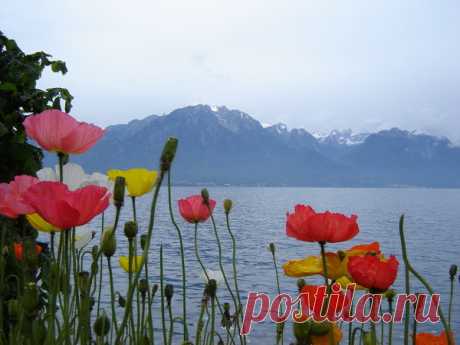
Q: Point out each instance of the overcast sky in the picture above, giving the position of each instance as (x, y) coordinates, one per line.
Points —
(319, 65)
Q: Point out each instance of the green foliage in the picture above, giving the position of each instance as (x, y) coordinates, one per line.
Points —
(19, 96)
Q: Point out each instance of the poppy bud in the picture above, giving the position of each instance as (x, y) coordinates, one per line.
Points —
(169, 291)
(102, 325)
(143, 241)
(154, 289)
(453, 272)
(38, 331)
(301, 283)
(109, 243)
(121, 301)
(205, 196)
(94, 252)
(83, 282)
(211, 288)
(30, 298)
(272, 248)
(13, 309)
(130, 229)
(143, 287)
(227, 206)
(168, 154)
(119, 191)
(301, 332)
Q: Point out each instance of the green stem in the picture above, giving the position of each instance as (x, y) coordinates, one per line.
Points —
(171, 324)
(213, 320)
(182, 256)
(275, 265)
(112, 294)
(390, 326)
(162, 303)
(328, 288)
(421, 279)
(199, 326)
(451, 297)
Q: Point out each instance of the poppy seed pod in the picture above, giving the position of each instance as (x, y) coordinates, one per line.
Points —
(119, 191)
(453, 271)
(169, 292)
(102, 325)
(130, 229)
(168, 154)
(227, 206)
(109, 243)
(205, 196)
(143, 286)
(211, 288)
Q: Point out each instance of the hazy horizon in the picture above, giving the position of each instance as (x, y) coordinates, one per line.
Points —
(314, 65)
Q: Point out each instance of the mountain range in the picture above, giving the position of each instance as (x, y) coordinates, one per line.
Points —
(221, 146)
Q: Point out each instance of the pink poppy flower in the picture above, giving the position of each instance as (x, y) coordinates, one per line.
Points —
(193, 209)
(57, 131)
(12, 204)
(63, 208)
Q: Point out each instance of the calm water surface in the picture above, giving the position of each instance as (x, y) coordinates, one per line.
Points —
(258, 218)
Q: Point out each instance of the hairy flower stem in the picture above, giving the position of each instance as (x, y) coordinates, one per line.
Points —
(162, 302)
(328, 287)
(421, 279)
(275, 266)
(239, 311)
(182, 257)
(197, 254)
(144, 257)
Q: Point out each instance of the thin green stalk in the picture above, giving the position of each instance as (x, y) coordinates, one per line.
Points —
(406, 283)
(451, 298)
(144, 256)
(326, 282)
(171, 324)
(112, 294)
(213, 320)
(275, 265)
(239, 311)
(182, 256)
(390, 326)
(199, 326)
(421, 279)
(162, 303)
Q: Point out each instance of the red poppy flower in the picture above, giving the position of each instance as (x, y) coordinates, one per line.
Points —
(57, 131)
(432, 339)
(63, 208)
(307, 225)
(12, 203)
(194, 210)
(19, 250)
(373, 272)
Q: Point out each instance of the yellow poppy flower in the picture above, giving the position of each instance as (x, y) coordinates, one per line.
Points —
(336, 263)
(40, 224)
(324, 339)
(139, 181)
(136, 263)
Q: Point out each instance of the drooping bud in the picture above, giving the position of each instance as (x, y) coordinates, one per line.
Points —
(154, 289)
(168, 154)
(143, 286)
(272, 248)
(211, 288)
(121, 300)
(228, 204)
(453, 271)
(130, 229)
(102, 325)
(119, 191)
(205, 196)
(109, 242)
(169, 292)
(301, 283)
(143, 241)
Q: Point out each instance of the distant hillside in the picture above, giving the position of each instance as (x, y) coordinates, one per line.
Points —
(222, 146)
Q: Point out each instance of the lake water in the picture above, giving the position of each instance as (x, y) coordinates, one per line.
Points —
(258, 218)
